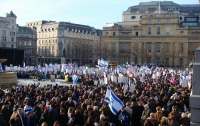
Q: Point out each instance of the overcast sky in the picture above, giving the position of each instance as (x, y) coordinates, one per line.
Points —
(95, 13)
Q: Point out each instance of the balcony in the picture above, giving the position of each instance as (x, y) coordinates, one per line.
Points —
(191, 52)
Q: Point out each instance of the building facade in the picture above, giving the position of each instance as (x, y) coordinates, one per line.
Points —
(26, 40)
(8, 30)
(56, 40)
(163, 33)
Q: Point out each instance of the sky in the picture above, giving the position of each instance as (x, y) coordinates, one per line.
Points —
(95, 13)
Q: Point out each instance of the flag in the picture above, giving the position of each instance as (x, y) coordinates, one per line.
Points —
(75, 79)
(172, 80)
(1, 69)
(114, 102)
(119, 70)
(24, 65)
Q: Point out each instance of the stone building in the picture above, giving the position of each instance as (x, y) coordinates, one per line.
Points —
(56, 40)
(26, 40)
(8, 30)
(163, 33)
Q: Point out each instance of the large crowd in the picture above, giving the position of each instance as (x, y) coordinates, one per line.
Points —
(154, 102)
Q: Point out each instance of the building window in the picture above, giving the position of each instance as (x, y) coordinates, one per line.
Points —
(189, 24)
(166, 61)
(12, 46)
(114, 33)
(124, 47)
(167, 30)
(149, 47)
(12, 39)
(149, 30)
(158, 21)
(158, 30)
(191, 19)
(3, 32)
(181, 48)
(13, 27)
(136, 33)
(167, 46)
(148, 59)
(192, 48)
(181, 32)
(181, 62)
(106, 33)
(149, 21)
(157, 47)
(124, 60)
(4, 38)
(113, 47)
(167, 20)
(158, 60)
(12, 33)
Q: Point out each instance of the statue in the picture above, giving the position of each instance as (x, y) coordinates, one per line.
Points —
(64, 53)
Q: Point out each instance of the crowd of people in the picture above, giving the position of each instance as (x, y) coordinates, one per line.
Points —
(152, 103)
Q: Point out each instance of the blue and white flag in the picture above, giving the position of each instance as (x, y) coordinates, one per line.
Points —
(39, 68)
(75, 79)
(24, 65)
(119, 70)
(114, 102)
(102, 63)
(1, 69)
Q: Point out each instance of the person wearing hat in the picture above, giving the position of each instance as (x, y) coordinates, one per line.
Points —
(2, 120)
(6, 111)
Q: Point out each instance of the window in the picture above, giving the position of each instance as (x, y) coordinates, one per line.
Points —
(192, 48)
(13, 27)
(5, 25)
(158, 21)
(157, 60)
(181, 61)
(12, 39)
(158, 30)
(167, 46)
(124, 60)
(4, 38)
(136, 33)
(149, 47)
(114, 33)
(3, 32)
(167, 20)
(166, 61)
(133, 17)
(190, 24)
(167, 30)
(181, 47)
(149, 30)
(124, 47)
(181, 32)
(12, 33)
(191, 19)
(106, 33)
(157, 47)
(149, 21)
(148, 59)
(12, 46)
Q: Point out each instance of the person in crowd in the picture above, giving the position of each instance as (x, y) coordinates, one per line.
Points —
(124, 117)
(151, 121)
(89, 121)
(6, 111)
(3, 122)
(29, 120)
(185, 121)
(52, 115)
(62, 118)
(145, 113)
(158, 115)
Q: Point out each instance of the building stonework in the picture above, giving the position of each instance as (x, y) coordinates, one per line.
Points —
(167, 37)
(56, 40)
(26, 40)
(8, 28)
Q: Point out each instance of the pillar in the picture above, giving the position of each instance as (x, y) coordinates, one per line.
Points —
(195, 96)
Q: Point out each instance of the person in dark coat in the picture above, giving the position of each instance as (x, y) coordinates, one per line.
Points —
(2, 120)
(37, 112)
(52, 116)
(13, 122)
(6, 111)
(44, 116)
(29, 120)
(185, 121)
(79, 117)
(62, 118)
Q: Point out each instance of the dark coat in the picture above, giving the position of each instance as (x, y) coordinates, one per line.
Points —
(80, 119)
(3, 122)
(151, 122)
(52, 117)
(32, 121)
(7, 113)
(63, 119)
(185, 121)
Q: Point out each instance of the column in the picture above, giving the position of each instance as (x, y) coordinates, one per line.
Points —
(195, 97)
